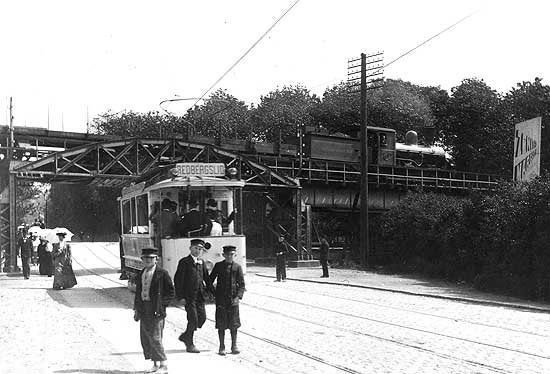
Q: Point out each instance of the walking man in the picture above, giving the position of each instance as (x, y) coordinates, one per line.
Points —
(191, 288)
(280, 251)
(229, 290)
(323, 256)
(154, 291)
(26, 254)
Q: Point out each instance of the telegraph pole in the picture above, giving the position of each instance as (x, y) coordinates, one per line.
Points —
(12, 140)
(371, 69)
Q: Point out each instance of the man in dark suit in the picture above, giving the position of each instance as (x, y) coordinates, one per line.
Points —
(280, 251)
(166, 220)
(154, 291)
(323, 256)
(193, 222)
(230, 288)
(191, 288)
(26, 254)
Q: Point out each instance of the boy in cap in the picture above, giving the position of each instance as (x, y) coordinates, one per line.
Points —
(154, 291)
(191, 288)
(229, 290)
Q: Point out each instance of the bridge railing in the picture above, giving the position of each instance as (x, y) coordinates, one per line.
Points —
(335, 172)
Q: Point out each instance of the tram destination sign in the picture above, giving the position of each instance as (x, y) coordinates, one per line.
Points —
(199, 169)
(527, 149)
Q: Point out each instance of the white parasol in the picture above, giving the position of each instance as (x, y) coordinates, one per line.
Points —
(35, 230)
(52, 236)
(44, 233)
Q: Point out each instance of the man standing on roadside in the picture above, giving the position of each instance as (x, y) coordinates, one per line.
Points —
(154, 291)
(191, 288)
(323, 256)
(280, 251)
(26, 254)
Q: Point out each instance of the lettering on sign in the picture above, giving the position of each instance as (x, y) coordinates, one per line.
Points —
(197, 169)
(527, 149)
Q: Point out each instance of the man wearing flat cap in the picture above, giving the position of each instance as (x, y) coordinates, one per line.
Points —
(154, 291)
(191, 288)
(230, 288)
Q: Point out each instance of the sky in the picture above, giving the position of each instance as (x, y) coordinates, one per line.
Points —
(65, 62)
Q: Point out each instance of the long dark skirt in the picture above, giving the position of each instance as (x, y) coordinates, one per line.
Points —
(45, 261)
(63, 272)
(227, 317)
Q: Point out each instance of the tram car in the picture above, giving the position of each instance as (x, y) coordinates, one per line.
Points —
(172, 190)
(383, 149)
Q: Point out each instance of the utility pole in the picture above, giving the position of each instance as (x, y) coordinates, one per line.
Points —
(370, 71)
(12, 139)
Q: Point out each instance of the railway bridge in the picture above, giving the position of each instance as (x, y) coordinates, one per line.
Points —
(40, 155)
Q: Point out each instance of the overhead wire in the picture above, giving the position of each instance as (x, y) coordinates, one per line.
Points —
(247, 52)
(416, 47)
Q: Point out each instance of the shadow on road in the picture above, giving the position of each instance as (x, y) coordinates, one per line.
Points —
(87, 297)
(98, 371)
(95, 271)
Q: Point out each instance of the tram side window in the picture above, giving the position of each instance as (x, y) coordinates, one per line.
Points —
(142, 222)
(126, 217)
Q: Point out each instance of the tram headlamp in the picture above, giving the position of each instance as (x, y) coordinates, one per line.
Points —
(232, 172)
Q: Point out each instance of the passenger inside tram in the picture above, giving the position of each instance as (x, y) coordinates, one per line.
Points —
(165, 220)
(194, 222)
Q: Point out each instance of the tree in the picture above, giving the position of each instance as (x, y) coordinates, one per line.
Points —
(84, 208)
(476, 130)
(221, 116)
(280, 113)
(339, 110)
(130, 124)
(399, 105)
(438, 101)
(529, 100)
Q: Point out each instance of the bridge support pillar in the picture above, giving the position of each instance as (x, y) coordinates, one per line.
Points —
(299, 223)
(12, 263)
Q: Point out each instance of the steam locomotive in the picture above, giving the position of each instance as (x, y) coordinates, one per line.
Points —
(383, 149)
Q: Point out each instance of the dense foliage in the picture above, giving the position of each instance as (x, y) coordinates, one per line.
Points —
(497, 242)
(87, 209)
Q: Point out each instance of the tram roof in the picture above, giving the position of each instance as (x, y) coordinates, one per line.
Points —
(198, 182)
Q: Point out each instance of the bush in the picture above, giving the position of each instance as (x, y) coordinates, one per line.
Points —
(498, 242)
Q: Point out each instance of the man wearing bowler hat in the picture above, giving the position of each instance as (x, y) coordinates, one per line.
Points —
(191, 288)
(230, 288)
(154, 291)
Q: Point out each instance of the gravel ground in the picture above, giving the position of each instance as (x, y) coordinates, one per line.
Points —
(46, 335)
(89, 328)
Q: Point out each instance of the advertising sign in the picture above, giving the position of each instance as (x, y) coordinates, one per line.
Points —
(527, 149)
(199, 169)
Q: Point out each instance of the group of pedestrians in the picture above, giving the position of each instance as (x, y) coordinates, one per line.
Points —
(192, 284)
(280, 251)
(53, 259)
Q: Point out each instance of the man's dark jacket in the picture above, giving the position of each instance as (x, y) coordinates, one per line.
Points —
(161, 292)
(190, 280)
(234, 278)
(192, 221)
(323, 250)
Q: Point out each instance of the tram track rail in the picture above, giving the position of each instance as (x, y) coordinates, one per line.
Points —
(455, 319)
(241, 331)
(316, 358)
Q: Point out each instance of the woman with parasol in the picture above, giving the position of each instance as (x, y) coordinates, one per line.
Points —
(62, 259)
